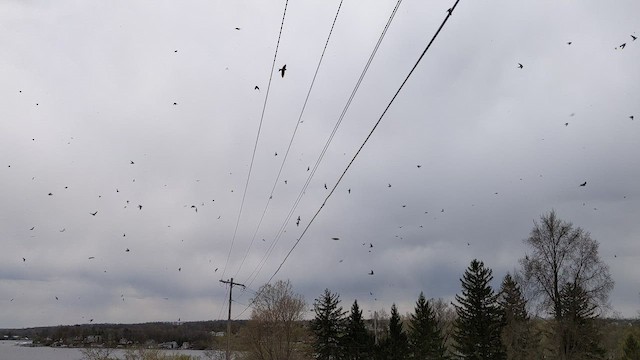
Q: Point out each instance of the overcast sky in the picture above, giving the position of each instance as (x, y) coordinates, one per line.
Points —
(108, 105)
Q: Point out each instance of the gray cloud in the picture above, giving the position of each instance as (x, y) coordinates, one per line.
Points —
(88, 88)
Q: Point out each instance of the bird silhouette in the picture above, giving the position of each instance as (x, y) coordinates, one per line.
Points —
(566, 124)
(371, 272)
(631, 117)
(93, 213)
(568, 42)
(56, 298)
(63, 230)
(237, 28)
(285, 182)
(325, 186)
(216, 270)
(91, 257)
(419, 166)
(194, 207)
(50, 194)
(370, 245)
(127, 250)
(349, 191)
(622, 46)
(131, 162)
(32, 228)
(450, 11)
(179, 269)
(389, 185)
(276, 154)
(24, 260)
(335, 238)
(175, 103)
(139, 207)
(633, 37)
(256, 88)
(584, 184)
(283, 69)
(442, 210)
(520, 66)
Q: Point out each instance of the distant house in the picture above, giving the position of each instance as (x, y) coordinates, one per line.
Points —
(92, 339)
(168, 345)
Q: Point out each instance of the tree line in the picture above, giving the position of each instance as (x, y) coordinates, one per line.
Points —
(567, 285)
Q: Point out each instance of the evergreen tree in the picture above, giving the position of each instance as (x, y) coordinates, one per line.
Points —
(576, 330)
(480, 320)
(396, 345)
(425, 338)
(328, 326)
(517, 334)
(357, 342)
(631, 348)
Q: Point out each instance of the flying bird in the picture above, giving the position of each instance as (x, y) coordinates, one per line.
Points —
(335, 238)
(131, 162)
(140, 207)
(216, 270)
(520, 66)
(566, 124)
(371, 272)
(419, 166)
(32, 228)
(633, 37)
(568, 42)
(93, 213)
(24, 260)
(56, 298)
(50, 194)
(194, 207)
(283, 69)
(631, 117)
(179, 269)
(349, 191)
(237, 28)
(325, 186)
(127, 250)
(91, 257)
(389, 185)
(584, 184)
(63, 230)
(276, 154)
(622, 46)
(256, 88)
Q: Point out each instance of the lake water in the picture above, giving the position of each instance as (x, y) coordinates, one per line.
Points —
(9, 350)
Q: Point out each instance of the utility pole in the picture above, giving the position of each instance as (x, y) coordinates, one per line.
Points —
(231, 283)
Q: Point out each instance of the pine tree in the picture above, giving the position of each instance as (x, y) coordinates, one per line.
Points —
(576, 330)
(517, 335)
(357, 342)
(328, 327)
(480, 321)
(396, 346)
(631, 348)
(425, 338)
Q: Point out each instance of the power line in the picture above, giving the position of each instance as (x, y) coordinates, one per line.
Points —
(255, 147)
(295, 130)
(261, 264)
(449, 13)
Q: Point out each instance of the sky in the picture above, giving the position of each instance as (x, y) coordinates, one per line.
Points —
(128, 133)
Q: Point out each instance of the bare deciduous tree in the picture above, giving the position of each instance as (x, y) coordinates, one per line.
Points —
(562, 254)
(274, 326)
